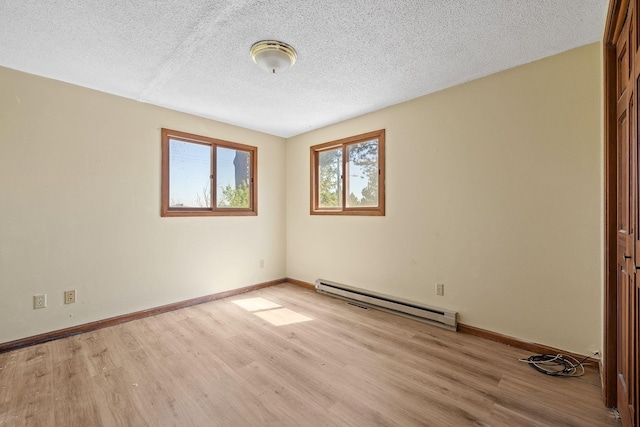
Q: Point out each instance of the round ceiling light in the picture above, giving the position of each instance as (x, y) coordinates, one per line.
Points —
(273, 56)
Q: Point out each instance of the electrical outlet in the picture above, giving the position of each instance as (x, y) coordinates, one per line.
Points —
(261, 263)
(440, 289)
(70, 296)
(39, 301)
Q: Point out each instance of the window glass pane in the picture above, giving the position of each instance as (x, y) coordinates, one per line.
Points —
(329, 178)
(189, 175)
(233, 168)
(362, 174)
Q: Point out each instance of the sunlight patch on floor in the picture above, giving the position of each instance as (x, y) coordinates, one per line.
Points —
(270, 311)
(255, 304)
(282, 316)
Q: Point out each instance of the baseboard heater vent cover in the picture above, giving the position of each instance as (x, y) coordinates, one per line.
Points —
(436, 316)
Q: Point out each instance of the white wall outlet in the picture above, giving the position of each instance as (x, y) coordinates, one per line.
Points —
(70, 296)
(39, 301)
(261, 263)
(440, 289)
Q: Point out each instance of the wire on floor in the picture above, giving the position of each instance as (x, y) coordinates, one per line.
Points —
(556, 365)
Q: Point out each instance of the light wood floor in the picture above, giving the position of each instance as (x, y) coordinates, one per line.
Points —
(217, 364)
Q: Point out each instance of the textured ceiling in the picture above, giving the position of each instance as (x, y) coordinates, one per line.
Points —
(354, 56)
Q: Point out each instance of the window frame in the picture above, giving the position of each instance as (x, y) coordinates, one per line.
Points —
(342, 144)
(214, 143)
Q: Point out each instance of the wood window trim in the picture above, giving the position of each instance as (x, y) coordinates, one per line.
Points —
(167, 211)
(379, 210)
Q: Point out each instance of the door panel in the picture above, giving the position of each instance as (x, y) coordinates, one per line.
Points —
(628, 217)
(624, 257)
(622, 215)
(623, 348)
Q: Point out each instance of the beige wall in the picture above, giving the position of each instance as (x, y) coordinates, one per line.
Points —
(493, 188)
(80, 209)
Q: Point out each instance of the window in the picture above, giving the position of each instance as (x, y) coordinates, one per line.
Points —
(347, 176)
(204, 176)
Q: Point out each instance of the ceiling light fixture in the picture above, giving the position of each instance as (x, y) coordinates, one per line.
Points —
(273, 56)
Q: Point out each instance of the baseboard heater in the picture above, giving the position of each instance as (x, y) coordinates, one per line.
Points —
(435, 316)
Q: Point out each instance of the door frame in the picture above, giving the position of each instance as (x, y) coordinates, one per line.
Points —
(615, 18)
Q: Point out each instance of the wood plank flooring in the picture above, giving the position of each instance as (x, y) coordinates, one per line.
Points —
(217, 364)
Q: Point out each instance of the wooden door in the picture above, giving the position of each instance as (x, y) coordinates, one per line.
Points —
(628, 218)
(622, 214)
(624, 254)
(629, 297)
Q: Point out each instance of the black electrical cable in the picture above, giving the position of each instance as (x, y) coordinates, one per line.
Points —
(556, 365)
